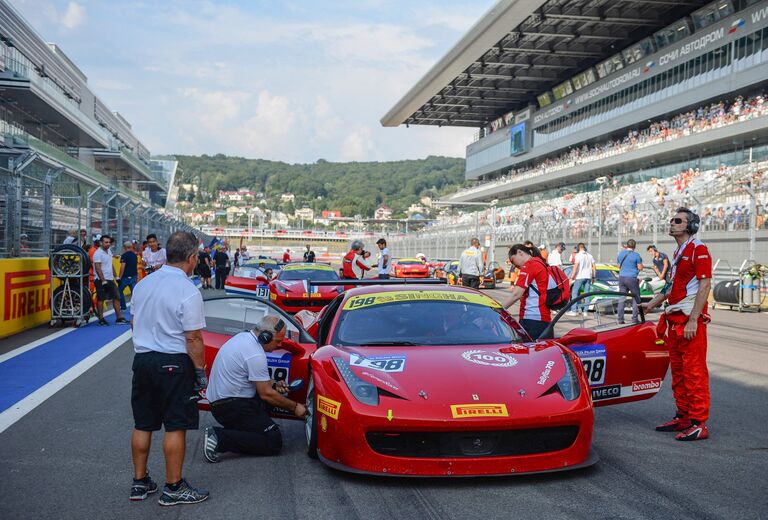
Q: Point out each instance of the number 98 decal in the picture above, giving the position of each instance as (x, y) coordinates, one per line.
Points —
(594, 359)
(388, 363)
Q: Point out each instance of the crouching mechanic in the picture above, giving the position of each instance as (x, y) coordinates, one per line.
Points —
(240, 390)
(684, 328)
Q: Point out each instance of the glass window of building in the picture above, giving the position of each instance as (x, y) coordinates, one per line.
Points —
(637, 51)
(563, 89)
(712, 13)
(673, 33)
(610, 66)
(585, 78)
(544, 99)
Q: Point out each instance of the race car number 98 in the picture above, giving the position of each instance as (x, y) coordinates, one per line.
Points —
(278, 373)
(595, 369)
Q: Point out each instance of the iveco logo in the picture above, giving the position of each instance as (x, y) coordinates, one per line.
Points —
(493, 359)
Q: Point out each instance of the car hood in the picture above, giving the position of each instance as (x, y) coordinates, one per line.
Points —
(460, 374)
(302, 287)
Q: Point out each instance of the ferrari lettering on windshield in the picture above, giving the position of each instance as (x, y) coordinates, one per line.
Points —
(545, 373)
(385, 363)
(492, 359)
(361, 302)
(462, 411)
(328, 407)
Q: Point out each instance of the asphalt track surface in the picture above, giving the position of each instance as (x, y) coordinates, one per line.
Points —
(70, 458)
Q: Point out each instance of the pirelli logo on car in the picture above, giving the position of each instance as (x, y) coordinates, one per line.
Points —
(462, 411)
(328, 407)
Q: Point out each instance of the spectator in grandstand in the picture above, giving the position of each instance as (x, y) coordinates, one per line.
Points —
(630, 265)
(204, 267)
(354, 262)
(221, 265)
(384, 266)
(153, 256)
(530, 289)
(555, 257)
(471, 265)
(309, 255)
(660, 262)
(287, 256)
(582, 275)
(129, 272)
(683, 325)
(168, 370)
(240, 391)
(71, 237)
(104, 278)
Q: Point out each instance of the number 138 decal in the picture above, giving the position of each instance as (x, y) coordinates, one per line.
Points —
(593, 357)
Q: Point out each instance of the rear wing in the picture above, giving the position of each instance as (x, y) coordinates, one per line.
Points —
(376, 281)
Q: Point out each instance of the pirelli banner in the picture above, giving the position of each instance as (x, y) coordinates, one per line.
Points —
(25, 286)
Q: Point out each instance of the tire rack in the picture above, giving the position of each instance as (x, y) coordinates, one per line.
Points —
(73, 287)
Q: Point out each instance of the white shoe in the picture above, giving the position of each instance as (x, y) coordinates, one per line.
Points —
(585, 314)
(571, 313)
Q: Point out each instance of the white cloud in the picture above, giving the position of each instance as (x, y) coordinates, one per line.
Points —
(110, 84)
(357, 146)
(73, 16)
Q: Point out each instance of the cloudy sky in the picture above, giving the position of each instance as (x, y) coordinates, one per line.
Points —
(284, 80)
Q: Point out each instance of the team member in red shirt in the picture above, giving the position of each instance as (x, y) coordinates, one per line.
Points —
(354, 263)
(684, 328)
(287, 256)
(530, 289)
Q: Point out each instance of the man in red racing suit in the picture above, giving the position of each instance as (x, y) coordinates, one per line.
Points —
(683, 326)
(354, 264)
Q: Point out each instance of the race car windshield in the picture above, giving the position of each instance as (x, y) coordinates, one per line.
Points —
(424, 323)
(308, 274)
(410, 262)
(249, 272)
(605, 275)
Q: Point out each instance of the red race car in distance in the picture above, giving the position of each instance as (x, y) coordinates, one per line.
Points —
(422, 380)
(410, 268)
(292, 292)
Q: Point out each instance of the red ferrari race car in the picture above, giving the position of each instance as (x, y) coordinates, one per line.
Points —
(410, 268)
(291, 290)
(248, 280)
(390, 392)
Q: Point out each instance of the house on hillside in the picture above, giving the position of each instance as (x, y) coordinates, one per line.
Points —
(382, 212)
(287, 197)
(304, 214)
(278, 219)
(415, 208)
(233, 213)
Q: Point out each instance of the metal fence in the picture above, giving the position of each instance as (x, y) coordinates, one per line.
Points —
(606, 219)
(40, 205)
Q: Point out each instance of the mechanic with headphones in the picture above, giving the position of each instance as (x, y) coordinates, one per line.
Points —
(240, 390)
(683, 326)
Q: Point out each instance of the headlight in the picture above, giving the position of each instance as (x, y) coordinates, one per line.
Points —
(363, 391)
(280, 288)
(568, 386)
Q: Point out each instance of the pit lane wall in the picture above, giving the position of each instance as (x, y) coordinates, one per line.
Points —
(25, 294)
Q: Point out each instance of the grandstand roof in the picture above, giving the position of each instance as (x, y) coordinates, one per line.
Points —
(521, 48)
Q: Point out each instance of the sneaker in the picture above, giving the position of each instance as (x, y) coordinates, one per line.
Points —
(186, 494)
(103, 322)
(677, 424)
(571, 313)
(210, 443)
(142, 488)
(695, 432)
(123, 321)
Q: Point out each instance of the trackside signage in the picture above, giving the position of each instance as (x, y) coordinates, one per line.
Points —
(732, 28)
(25, 286)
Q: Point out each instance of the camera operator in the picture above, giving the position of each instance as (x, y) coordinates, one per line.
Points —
(240, 389)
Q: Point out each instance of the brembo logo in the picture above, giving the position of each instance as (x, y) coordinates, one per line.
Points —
(648, 384)
(26, 292)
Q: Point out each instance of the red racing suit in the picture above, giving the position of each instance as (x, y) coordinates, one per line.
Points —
(349, 263)
(688, 358)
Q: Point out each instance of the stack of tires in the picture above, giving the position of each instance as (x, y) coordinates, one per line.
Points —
(71, 266)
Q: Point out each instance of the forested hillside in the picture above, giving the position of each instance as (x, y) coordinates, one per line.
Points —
(352, 188)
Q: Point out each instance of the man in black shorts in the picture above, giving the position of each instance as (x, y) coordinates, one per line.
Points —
(168, 369)
(104, 279)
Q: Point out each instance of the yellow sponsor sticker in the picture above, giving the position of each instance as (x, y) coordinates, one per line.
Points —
(328, 407)
(315, 267)
(463, 411)
(360, 302)
(315, 295)
(323, 423)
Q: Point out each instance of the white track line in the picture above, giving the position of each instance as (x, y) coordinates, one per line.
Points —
(42, 341)
(29, 403)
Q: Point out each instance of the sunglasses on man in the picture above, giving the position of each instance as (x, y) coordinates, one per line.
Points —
(677, 220)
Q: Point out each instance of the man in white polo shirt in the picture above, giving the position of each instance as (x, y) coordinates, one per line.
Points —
(104, 280)
(240, 390)
(168, 369)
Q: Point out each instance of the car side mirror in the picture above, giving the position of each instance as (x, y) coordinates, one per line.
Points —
(578, 335)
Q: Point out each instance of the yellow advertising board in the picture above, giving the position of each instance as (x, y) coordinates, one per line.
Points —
(25, 294)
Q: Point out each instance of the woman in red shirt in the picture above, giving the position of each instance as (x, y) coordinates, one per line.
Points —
(530, 289)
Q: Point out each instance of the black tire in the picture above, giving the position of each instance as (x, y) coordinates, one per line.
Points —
(310, 425)
(75, 264)
(66, 301)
